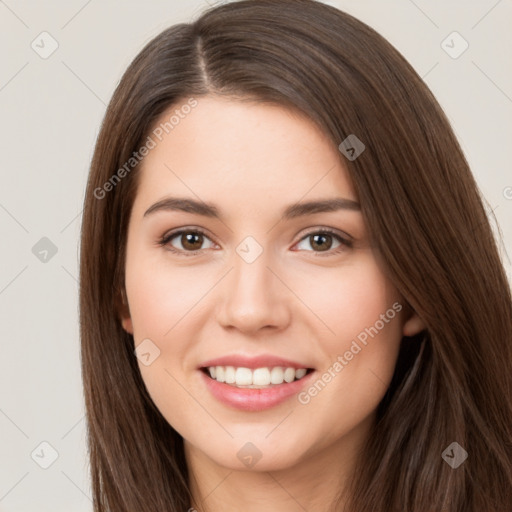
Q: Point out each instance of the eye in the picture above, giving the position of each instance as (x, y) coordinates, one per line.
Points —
(322, 241)
(186, 241)
(189, 242)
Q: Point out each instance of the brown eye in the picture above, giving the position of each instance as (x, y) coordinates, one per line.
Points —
(324, 241)
(186, 241)
(191, 241)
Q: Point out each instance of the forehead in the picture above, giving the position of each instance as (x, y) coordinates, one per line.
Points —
(242, 151)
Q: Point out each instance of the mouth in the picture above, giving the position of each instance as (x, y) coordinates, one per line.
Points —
(257, 378)
(253, 383)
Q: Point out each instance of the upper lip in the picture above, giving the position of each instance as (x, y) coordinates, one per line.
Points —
(253, 362)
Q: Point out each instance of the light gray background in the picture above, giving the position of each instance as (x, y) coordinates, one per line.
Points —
(51, 111)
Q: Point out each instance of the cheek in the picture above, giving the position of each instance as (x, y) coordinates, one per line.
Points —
(361, 326)
(161, 303)
(350, 300)
(166, 302)
(160, 296)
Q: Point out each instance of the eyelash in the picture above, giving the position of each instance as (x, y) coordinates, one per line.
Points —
(344, 242)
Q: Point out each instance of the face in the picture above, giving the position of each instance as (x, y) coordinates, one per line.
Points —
(242, 273)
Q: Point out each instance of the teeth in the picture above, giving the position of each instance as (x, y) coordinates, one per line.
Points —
(243, 376)
(289, 374)
(229, 375)
(260, 377)
(300, 373)
(276, 375)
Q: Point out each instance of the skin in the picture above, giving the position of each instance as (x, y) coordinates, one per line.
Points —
(252, 160)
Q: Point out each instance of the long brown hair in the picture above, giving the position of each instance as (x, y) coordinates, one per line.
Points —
(427, 221)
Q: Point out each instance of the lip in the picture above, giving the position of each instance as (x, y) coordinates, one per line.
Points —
(261, 361)
(253, 400)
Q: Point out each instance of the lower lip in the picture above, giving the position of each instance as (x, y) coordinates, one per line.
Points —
(247, 399)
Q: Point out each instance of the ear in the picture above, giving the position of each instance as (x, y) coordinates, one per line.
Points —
(414, 324)
(124, 312)
(126, 322)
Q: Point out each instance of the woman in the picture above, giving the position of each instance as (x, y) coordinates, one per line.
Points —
(291, 297)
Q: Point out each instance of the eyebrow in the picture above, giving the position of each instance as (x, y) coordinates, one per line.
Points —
(290, 212)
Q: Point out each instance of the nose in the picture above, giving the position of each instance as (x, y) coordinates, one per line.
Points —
(253, 297)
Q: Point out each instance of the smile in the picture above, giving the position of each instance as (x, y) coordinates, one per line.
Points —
(258, 378)
(255, 397)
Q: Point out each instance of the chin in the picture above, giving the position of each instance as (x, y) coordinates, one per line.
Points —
(254, 453)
